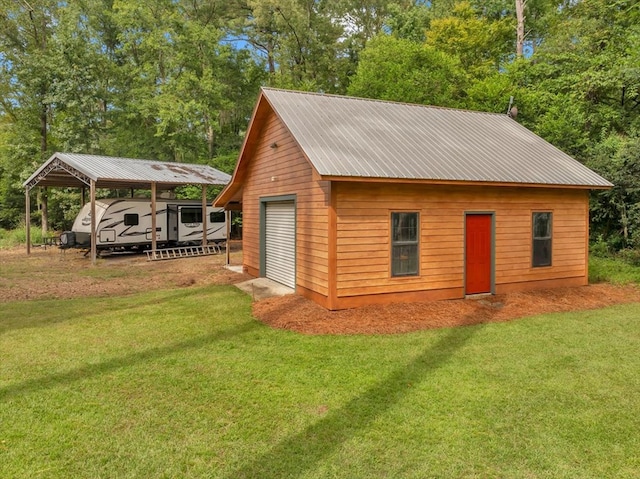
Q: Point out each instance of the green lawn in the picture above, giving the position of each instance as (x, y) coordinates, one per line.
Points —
(186, 383)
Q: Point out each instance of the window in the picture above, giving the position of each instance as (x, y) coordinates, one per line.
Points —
(541, 239)
(131, 219)
(191, 215)
(216, 217)
(404, 244)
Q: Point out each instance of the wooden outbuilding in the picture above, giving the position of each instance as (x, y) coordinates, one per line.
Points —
(353, 202)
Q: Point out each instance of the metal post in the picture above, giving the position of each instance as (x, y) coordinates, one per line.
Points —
(153, 220)
(27, 220)
(204, 215)
(94, 236)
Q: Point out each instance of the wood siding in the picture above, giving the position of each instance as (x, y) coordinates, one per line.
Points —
(363, 238)
(283, 170)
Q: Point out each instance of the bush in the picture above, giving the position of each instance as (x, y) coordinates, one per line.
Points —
(18, 236)
(630, 256)
(612, 270)
(600, 248)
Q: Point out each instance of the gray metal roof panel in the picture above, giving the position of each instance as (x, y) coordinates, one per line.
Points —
(107, 168)
(353, 137)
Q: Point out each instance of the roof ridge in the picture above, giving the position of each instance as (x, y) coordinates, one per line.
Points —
(377, 100)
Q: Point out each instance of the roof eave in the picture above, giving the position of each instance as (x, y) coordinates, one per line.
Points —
(230, 193)
(430, 181)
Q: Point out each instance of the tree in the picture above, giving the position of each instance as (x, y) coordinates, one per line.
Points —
(27, 80)
(154, 80)
(520, 32)
(401, 70)
(482, 45)
(580, 91)
(301, 42)
(615, 213)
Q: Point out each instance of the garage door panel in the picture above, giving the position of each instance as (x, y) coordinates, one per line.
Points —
(280, 242)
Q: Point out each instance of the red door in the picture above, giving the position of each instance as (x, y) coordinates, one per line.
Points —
(478, 254)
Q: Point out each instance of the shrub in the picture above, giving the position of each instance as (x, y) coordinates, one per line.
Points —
(18, 236)
(600, 248)
(630, 256)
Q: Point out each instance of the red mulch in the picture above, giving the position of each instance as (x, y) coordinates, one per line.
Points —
(302, 315)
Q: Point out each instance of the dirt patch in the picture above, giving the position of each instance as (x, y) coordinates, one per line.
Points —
(57, 274)
(301, 315)
(52, 273)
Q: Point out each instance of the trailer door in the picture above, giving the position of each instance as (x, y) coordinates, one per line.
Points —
(172, 223)
(190, 224)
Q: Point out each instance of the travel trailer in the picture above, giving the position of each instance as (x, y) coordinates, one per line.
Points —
(126, 224)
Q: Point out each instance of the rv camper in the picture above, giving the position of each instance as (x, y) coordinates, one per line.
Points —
(126, 224)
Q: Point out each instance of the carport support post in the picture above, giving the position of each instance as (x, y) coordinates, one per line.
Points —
(153, 220)
(27, 218)
(227, 221)
(94, 237)
(204, 215)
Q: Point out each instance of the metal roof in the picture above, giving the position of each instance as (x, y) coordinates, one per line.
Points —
(71, 169)
(362, 138)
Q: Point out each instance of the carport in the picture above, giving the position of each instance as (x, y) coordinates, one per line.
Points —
(71, 170)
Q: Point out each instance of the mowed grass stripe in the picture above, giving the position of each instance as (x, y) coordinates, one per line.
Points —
(186, 383)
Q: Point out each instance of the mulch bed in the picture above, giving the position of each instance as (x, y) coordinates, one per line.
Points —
(302, 315)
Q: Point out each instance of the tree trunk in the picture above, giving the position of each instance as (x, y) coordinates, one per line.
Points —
(520, 34)
(624, 219)
(210, 139)
(45, 211)
(44, 206)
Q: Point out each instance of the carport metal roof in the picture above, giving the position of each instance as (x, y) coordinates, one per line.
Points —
(76, 170)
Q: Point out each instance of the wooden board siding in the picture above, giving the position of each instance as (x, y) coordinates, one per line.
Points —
(283, 170)
(363, 238)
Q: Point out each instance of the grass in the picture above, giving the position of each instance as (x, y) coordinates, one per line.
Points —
(187, 384)
(612, 270)
(18, 236)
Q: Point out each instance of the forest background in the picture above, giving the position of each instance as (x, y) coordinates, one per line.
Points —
(176, 80)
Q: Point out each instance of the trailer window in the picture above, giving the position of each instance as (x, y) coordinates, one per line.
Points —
(191, 215)
(216, 217)
(131, 219)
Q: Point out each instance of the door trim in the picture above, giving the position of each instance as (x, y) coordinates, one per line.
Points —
(492, 214)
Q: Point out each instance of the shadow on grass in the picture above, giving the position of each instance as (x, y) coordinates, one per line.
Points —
(299, 453)
(91, 370)
(79, 308)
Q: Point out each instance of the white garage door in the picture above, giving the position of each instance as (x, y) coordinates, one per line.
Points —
(280, 242)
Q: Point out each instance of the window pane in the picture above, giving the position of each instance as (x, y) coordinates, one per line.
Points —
(542, 225)
(541, 252)
(191, 215)
(131, 219)
(216, 217)
(405, 227)
(404, 260)
(541, 239)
